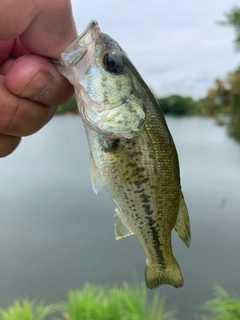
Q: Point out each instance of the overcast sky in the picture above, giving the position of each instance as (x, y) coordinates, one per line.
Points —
(175, 45)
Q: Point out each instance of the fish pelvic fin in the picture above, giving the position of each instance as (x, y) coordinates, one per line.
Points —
(182, 226)
(158, 274)
(95, 179)
(121, 228)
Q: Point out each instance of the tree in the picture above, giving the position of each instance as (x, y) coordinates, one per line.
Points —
(224, 97)
(233, 19)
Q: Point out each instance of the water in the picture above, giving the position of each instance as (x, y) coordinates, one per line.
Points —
(55, 233)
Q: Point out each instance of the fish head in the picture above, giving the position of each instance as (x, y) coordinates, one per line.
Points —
(106, 88)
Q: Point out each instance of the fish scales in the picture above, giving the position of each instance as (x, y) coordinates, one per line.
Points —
(132, 151)
(137, 188)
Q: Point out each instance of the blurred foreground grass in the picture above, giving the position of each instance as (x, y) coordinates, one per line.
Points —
(224, 306)
(125, 303)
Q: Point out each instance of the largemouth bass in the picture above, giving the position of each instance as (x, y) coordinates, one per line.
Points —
(131, 150)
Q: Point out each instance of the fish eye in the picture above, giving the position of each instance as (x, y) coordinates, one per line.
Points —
(113, 62)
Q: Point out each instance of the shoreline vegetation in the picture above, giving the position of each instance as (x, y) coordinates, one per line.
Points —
(119, 303)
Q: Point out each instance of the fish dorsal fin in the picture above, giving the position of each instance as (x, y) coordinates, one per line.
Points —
(182, 226)
(121, 228)
(96, 182)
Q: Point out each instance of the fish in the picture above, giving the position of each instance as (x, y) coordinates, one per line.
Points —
(132, 152)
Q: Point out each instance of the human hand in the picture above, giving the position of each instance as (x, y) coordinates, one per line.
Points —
(30, 86)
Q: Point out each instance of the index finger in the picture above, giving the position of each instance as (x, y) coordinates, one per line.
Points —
(44, 27)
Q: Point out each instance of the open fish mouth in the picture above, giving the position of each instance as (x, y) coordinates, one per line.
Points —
(76, 51)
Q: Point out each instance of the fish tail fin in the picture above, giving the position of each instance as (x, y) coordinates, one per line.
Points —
(169, 274)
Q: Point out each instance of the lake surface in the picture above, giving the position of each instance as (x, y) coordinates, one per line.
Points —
(55, 233)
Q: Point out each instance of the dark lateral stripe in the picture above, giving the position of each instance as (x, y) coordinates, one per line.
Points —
(156, 242)
(148, 210)
(145, 199)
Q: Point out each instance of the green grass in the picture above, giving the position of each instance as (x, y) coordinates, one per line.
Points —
(27, 310)
(223, 306)
(125, 303)
(118, 303)
(94, 303)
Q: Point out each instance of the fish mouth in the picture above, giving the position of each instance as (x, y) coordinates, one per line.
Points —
(76, 51)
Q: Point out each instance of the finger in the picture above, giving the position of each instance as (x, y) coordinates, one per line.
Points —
(6, 48)
(45, 27)
(15, 17)
(20, 116)
(8, 144)
(4, 67)
(11, 49)
(18, 49)
(35, 77)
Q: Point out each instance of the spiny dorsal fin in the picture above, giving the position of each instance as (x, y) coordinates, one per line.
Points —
(96, 182)
(121, 228)
(182, 226)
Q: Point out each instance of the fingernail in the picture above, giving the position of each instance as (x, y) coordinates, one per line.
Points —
(38, 87)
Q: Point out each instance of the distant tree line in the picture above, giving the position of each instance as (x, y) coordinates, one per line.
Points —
(178, 106)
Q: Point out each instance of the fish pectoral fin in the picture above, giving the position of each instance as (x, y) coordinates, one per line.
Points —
(121, 228)
(95, 179)
(182, 226)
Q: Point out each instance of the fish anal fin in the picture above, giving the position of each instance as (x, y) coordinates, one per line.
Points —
(169, 274)
(182, 226)
(95, 179)
(121, 228)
